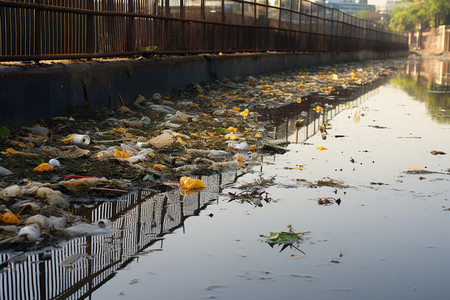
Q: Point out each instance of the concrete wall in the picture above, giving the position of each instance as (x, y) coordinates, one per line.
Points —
(437, 40)
(29, 93)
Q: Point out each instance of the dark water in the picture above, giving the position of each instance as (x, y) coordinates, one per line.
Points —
(390, 233)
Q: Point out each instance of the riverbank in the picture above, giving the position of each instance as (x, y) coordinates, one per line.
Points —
(154, 141)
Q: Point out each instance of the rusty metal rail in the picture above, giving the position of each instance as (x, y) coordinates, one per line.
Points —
(56, 29)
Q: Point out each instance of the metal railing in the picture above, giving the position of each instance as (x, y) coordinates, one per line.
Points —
(51, 29)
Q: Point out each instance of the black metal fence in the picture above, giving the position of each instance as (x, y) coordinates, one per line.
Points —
(48, 29)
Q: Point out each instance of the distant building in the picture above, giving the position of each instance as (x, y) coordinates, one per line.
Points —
(387, 7)
(350, 7)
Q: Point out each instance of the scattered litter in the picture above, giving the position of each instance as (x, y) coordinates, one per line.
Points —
(44, 167)
(54, 163)
(330, 182)
(9, 218)
(4, 172)
(254, 197)
(79, 139)
(301, 275)
(434, 152)
(30, 233)
(416, 170)
(377, 126)
(329, 201)
(191, 183)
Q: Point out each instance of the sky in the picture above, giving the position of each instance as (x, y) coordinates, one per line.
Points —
(376, 2)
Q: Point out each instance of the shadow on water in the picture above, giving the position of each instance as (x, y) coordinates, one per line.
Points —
(143, 219)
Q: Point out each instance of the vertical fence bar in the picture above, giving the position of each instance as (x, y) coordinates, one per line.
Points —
(131, 35)
(37, 30)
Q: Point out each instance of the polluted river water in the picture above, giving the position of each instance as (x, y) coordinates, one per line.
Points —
(380, 154)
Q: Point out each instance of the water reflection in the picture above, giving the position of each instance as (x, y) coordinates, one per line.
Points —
(139, 221)
(428, 81)
(298, 122)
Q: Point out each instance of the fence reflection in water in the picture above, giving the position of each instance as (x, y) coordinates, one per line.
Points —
(139, 221)
(285, 118)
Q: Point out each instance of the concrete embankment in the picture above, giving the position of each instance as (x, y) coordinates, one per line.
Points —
(32, 92)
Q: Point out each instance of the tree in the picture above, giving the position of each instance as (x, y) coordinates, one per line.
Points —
(439, 11)
(410, 15)
(363, 14)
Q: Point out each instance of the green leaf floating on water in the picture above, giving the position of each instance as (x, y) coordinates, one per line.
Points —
(287, 239)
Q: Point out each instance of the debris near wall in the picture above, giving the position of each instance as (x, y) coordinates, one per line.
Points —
(155, 140)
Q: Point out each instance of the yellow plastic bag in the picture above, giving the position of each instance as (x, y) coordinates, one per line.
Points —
(120, 154)
(9, 218)
(43, 168)
(158, 168)
(318, 109)
(245, 113)
(191, 183)
(119, 131)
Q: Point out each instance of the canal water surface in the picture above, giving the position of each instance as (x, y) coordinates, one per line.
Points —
(388, 238)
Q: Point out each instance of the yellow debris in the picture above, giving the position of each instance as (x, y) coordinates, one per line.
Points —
(158, 167)
(191, 183)
(245, 112)
(120, 154)
(119, 131)
(68, 139)
(318, 109)
(9, 218)
(43, 168)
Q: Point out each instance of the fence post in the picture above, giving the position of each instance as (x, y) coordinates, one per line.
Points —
(290, 13)
(37, 29)
(203, 26)
(90, 29)
(131, 34)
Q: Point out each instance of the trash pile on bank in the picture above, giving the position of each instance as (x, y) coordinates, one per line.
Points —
(202, 129)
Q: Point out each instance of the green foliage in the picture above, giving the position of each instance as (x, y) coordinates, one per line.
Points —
(408, 16)
(363, 14)
(411, 15)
